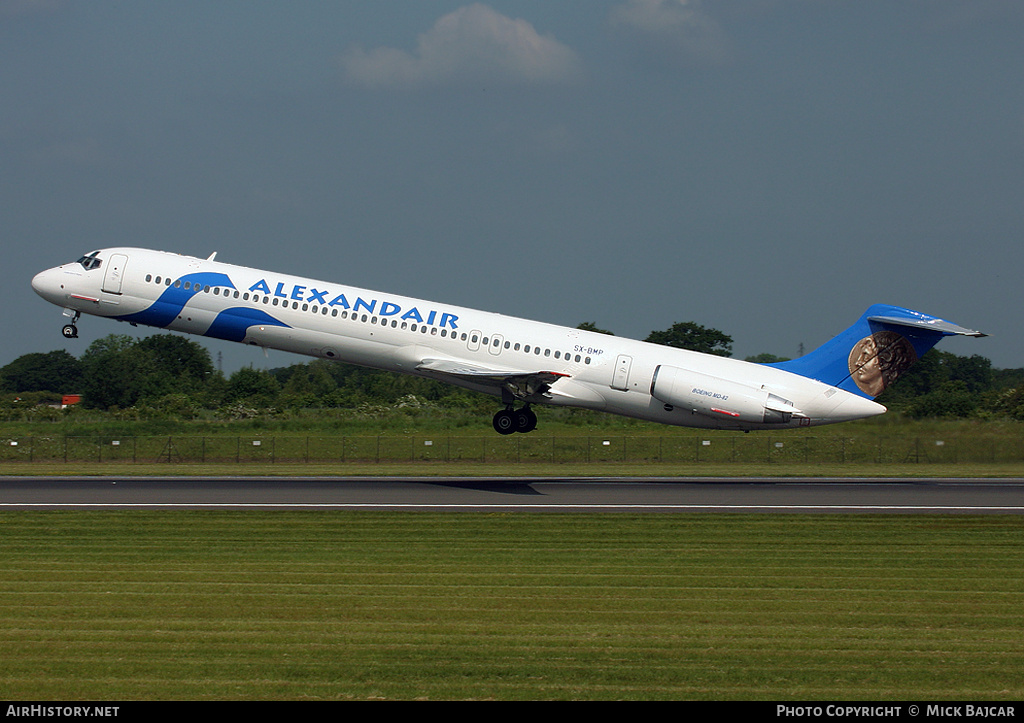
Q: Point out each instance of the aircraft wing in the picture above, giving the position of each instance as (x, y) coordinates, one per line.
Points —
(521, 383)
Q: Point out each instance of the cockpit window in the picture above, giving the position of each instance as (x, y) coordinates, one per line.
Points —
(90, 261)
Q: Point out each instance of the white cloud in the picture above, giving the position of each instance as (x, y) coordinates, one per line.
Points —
(472, 44)
(681, 29)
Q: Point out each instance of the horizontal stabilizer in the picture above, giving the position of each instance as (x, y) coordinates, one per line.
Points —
(927, 322)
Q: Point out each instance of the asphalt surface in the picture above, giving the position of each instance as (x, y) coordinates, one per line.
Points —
(524, 494)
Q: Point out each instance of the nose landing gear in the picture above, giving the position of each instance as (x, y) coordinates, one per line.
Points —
(70, 331)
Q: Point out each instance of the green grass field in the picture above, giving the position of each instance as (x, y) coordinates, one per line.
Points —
(466, 441)
(135, 605)
(355, 606)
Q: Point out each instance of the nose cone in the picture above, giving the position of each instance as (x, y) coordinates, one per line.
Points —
(48, 284)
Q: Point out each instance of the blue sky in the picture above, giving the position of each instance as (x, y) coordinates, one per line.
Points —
(769, 168)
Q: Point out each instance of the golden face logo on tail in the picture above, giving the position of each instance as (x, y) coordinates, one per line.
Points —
(876, 361)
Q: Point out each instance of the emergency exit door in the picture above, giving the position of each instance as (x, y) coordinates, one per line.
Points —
(620, 376)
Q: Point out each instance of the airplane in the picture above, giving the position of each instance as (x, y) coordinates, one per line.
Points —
(521, 362)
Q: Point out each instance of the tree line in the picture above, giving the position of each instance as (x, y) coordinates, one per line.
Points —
(172, 376)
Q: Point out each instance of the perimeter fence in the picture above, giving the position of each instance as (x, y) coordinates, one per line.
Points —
(531, 448)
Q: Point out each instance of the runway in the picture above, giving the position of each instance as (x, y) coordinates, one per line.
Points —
(522, 494)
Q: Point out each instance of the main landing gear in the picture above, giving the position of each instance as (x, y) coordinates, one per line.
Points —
(70, 331)
(510, 421)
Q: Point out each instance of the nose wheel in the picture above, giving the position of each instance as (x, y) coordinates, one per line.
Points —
(510, 421)
(70, 331)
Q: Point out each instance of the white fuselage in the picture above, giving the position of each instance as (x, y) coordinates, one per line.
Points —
(396, 333)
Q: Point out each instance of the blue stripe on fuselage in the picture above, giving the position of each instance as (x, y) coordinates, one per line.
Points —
(174, 298)
(233, 324)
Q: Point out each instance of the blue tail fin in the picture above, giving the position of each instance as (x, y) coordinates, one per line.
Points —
(871, 354)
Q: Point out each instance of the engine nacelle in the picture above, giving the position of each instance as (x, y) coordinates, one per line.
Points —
(719, 398)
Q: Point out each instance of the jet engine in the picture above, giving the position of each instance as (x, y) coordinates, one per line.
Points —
(719, 398)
